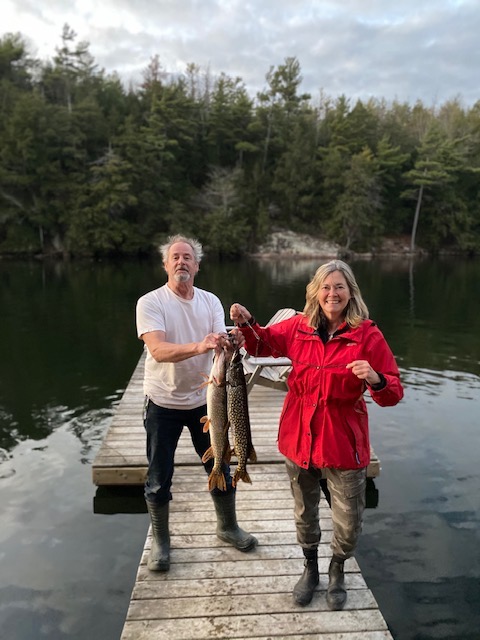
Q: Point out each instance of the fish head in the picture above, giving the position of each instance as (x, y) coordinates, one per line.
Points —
(218, 372)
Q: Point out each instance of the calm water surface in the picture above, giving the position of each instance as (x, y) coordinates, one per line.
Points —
(68, 348)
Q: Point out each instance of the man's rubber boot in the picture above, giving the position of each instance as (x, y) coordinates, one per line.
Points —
(227, 526)
(159, 556)
(303, 590)
(336, 592)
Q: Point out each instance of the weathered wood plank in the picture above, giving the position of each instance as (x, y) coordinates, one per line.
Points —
(269, 625)
(241, 605)
(116, 471)
(242, 567)
(227, 553)
(350, 635)
(231, 586)
(257, 526)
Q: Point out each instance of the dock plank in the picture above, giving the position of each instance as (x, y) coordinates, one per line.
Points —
(271, 625)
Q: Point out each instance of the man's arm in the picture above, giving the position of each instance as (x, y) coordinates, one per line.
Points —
(163, 351)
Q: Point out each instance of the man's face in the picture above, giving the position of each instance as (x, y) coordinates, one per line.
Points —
(181, 265)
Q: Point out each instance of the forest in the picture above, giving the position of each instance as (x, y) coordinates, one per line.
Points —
(89, 167)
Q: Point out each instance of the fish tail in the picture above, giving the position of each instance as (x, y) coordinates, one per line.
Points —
(216, 480)
(240, 474)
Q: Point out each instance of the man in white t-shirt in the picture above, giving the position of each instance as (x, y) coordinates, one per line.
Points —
(180, 325)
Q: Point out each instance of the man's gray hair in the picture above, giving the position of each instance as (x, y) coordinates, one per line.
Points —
(195, 244)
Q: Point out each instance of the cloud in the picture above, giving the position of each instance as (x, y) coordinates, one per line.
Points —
(359, 48)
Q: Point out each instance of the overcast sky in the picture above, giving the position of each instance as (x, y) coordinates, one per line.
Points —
(405, 50)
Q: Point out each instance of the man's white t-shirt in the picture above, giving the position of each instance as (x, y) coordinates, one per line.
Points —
(178, 385)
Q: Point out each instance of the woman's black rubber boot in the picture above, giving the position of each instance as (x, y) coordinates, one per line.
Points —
(303, 590)
(336, 592)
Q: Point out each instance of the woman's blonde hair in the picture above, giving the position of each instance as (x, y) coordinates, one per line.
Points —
(355, 311)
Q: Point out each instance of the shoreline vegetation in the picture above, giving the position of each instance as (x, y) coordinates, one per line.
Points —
(278, 245)
(92, 169)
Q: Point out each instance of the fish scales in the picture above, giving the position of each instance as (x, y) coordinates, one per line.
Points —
(239, 419)
(216, 420)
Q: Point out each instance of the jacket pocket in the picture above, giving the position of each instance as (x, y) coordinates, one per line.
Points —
(359, 439)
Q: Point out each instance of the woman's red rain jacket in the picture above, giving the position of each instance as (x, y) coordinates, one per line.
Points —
(324, 420)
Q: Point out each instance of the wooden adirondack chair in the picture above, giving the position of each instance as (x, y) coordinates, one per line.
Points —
(268, 371)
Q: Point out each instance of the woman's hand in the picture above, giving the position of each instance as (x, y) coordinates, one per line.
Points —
(363, 370)
(239, 314)
(237, 339)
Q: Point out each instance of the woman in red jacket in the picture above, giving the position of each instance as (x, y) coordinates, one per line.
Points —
(337, 353)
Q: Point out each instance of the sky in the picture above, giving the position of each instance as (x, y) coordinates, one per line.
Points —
(406, 50)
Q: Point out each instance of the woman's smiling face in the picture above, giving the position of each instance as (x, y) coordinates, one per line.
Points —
(334, 294)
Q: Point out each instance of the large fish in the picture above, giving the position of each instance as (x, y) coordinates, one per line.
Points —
(216, 420)
(239, 419)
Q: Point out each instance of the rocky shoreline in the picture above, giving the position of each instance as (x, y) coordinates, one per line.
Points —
(288, 244)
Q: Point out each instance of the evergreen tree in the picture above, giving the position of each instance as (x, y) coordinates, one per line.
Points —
(356, 222)
(100, 225)
(225, 230)
(436, 166)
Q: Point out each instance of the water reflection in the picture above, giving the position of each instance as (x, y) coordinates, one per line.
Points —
(111, 500)
(288, 270)
(464, 385)
(6, 466)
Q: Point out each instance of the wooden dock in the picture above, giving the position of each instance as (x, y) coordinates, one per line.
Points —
(212, 590)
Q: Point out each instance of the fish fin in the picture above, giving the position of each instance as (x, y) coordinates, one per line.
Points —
(246, 478)
(207, 380)
(206, 423)
(208, 455)
(216, 480)
(252, 454)
(240, 475)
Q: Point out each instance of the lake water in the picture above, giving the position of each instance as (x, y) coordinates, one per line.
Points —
(68, 348)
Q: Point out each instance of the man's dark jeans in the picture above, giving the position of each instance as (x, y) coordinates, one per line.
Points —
(164, 427)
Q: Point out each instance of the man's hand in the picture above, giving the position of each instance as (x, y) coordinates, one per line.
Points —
(212, 341)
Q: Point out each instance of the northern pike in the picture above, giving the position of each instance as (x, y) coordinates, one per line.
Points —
(239, 419)
(216, 420)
